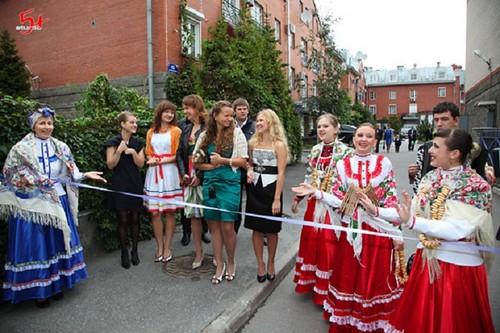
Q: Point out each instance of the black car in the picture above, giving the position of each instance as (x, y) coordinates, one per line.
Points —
(346, 134)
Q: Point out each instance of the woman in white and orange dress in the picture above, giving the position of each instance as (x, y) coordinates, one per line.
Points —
(313, 263)
(448, 287)
(364, 288)
(162, 177)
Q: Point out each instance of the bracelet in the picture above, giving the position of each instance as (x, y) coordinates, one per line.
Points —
(231, 162)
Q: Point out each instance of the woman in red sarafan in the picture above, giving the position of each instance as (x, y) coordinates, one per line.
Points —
(448, 287)
(312, 267)
(363, 289)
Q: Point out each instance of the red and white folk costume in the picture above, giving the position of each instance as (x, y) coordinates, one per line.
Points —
(363, 290)
(448, 288)
(313, 263)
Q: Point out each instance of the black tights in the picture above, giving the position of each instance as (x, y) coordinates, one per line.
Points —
(124, 218)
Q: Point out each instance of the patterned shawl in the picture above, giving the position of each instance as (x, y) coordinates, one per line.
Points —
(27, 192)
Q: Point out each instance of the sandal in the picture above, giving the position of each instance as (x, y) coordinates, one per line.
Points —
(158, 259)
(230, 276)
(217, 280)
(167, 258)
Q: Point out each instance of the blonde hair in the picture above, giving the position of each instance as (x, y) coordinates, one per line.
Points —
(123, 116)
(276, 131)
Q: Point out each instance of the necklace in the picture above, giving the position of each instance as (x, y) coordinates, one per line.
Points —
(326, 173)
(437, 196)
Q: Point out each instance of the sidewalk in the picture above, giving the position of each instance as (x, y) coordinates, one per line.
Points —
(153, 297)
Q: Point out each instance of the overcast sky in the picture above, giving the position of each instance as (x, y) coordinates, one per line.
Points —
(400, 32)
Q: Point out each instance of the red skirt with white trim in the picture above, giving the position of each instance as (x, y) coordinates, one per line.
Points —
(457, 302)
(313, 266)
(362, 294)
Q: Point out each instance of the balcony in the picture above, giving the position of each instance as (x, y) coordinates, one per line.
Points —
(230, 13)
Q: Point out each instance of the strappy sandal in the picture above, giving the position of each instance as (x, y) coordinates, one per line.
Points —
(230, 277)
(158, 259)
(167, 258)
(217, 280)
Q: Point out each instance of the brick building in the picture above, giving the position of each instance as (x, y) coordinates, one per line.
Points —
(136, 42)
(412, 93)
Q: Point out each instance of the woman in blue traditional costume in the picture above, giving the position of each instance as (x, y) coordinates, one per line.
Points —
(44, 252)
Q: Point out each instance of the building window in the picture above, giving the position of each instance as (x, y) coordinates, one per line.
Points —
(442, 92)
(304, 87)
(277, 30)
(413, 94)
(392, 77)
(372, 109)
(303, 52)
(314, 88)
(393, 109)
(413, 76)
(373, 95)
(257, 13)
(441, 75)
(392, 94)
(191, 35)
(315, 63)
(413, 109)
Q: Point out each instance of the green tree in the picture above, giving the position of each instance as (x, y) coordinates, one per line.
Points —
(14, 77)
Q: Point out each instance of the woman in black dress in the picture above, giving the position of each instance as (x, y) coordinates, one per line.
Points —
(268, 151)
(125, 156)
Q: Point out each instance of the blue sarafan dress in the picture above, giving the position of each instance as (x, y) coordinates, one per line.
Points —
(44, 253)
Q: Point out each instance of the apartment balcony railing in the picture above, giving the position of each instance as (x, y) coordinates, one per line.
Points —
(230, 13)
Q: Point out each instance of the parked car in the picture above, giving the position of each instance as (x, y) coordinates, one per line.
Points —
(346, 134)
(404, 132)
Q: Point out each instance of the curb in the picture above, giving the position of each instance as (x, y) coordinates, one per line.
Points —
(235, 316)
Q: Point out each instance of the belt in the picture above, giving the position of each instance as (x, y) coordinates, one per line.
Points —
(264, 169)
(159, 170)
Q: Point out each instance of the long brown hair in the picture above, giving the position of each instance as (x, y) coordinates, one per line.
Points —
(196, 102)
(223, 140)
(162, 107)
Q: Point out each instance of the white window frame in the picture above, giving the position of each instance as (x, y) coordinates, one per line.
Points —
(393, 94)
(372, 109)
(277, 30)
(413, 94)
(314, 88)
(194, 21)
(413, 76)
(393, 109)
(441, 92)
(373, 95)
(258, 13)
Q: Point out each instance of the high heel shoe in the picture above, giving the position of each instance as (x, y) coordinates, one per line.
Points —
(197, 264)
(135, 258)
(261, 278)
(270, 277)
(159, 258)
(230, 276)
(217, 280)
(125, 260)
(167, 258)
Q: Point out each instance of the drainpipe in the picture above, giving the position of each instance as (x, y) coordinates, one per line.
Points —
(289, 38)
(150, 54)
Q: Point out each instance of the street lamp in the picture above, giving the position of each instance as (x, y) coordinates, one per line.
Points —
(479, 54)
(489, 105)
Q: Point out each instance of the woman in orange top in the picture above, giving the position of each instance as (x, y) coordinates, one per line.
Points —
(162, 177)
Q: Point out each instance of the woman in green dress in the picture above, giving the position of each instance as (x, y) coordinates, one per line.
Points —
(220, 152)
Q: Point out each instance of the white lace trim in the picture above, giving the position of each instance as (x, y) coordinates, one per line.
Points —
(380, 299)
(46, 282)
(353, 321)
